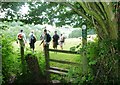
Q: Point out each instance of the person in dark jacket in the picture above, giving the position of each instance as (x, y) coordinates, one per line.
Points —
(46, 39)
(32, 40)
(55, 40)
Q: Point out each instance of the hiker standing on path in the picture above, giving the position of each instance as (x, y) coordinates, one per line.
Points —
(32, 40)
(21, 38)
(61, 41)
(46, 39)
(55, 40)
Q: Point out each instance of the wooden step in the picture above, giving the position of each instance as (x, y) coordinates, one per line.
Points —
(59, 69)
(57, 72)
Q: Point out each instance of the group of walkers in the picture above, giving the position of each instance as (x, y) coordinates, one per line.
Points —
(46, 38)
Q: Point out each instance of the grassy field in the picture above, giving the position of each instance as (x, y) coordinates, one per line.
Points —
(66, 46)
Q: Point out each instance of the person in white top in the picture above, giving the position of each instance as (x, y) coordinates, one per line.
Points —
(61, 41)
(32, 40)
(21, 38)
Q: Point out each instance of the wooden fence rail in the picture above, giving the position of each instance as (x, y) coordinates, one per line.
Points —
(64, 51)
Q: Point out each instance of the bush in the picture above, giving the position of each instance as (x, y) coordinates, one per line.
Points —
(10, 64)
(103, 61)
(103, 64)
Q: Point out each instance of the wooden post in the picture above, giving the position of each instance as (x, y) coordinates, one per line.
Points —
(22, 58)
(46, 53)
(22, 54)
(33, 67)
(84, 36)
(84, 44)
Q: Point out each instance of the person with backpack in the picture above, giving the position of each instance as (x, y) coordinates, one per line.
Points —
(32, 40)
(62, 39)
(55, 40)
(46, 39)
(21, 38)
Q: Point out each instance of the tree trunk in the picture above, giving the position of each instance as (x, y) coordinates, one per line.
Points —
(118, 16)
(118, 28)
(108, 30)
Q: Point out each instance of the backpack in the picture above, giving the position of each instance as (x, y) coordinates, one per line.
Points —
(55, 38)
(48, 38)
(20, 36)
(33, 38)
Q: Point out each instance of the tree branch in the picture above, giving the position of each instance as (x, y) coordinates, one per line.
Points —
(112, 25)
(95, 15)
(77, 11)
